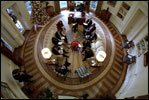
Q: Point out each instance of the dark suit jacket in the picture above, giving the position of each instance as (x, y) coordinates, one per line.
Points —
(90, 23)
(75, 21)
(58, 35)
(92, 29)
(54, 51)
(86, 44)
(92, 37)
(55, 41)
(89, 53)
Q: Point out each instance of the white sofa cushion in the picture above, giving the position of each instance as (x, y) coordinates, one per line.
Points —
(99, 43)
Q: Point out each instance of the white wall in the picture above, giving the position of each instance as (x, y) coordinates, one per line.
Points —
(6, 76)
(136, 80)
(134, 6)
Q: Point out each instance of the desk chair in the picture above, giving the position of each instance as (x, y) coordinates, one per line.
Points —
(128, 44)
(129, 59)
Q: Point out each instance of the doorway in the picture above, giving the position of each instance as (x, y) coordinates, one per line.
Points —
(63, 4)
(15, 19)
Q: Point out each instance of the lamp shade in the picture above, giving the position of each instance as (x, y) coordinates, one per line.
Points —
(101, 55)
(46, 53)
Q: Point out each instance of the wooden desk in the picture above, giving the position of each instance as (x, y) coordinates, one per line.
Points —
(78, 15)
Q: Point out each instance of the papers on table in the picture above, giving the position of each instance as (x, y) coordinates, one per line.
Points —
(80, 45)
(85, 24)
(53, 60)
(93, 62)
(62, 38)
(60, 43)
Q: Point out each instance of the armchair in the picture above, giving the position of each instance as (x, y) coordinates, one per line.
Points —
(128, 44)
(129, 59)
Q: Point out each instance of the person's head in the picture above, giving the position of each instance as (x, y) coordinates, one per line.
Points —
(61, 22)
(10, 14)
(87, 48)
(94, 24)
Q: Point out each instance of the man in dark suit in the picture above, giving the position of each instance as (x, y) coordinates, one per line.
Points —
(92, 37)
(60, 36)
(58, 51)
(88, 53)
(59, 26)
(55, 41)
(64, 69)
(88, 23)
(86, 44)
(91, 29)
(75, 24)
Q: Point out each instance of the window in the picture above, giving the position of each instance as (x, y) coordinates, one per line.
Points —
(78, 2)
(93, 5)
(28, 6)
(63, 4)
(6, 44)
(15, 19)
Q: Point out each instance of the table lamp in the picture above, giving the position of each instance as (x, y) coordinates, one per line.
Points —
(46, 53)
(101, 55)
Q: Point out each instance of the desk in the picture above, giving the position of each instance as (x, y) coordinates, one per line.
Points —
(78, 15)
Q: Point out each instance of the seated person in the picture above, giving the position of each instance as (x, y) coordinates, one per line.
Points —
(21, 76)
(88, 53)
(91, 29)
(61, 36)
(59, 26)
(88, 23)
(86, 44)
(92, 37)
(58, 51)
(64, 69)
(74, 24)
(58, 35)
(56, 41)
(129, 59)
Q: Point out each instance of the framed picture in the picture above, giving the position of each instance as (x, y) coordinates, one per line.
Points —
(6, 92)
(112, 3)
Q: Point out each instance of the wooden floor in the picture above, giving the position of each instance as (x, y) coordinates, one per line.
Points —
(112, 81)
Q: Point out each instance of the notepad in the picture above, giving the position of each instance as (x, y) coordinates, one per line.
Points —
(85, 23)
(60, 43)
(62, 38)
